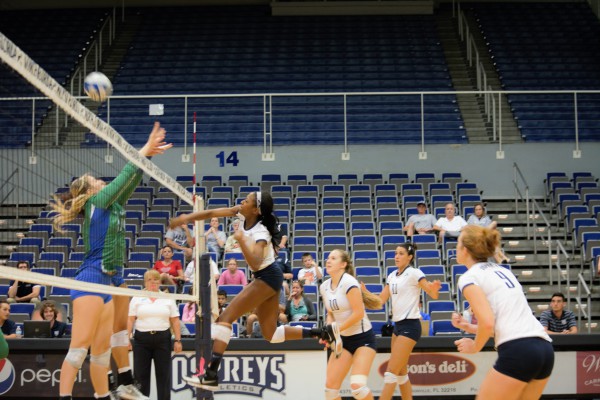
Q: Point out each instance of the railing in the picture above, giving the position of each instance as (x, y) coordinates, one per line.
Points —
(5, 184)
(93, 56)
(561, 252)
(473, 58)
(520, 196)
(533, 213)
(538, 231)
(583, 290)
(495, 107)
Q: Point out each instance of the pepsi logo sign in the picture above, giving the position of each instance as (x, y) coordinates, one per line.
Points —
(427, 369)
(7, 376)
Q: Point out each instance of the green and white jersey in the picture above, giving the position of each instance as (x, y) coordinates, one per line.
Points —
(104, 221)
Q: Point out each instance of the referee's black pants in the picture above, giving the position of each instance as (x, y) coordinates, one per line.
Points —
(148, 346)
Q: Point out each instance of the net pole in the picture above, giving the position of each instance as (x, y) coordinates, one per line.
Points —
(203, 324)
(204, 288)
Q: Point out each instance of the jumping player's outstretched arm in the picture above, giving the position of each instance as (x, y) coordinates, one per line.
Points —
(121, 188)
(202, 215)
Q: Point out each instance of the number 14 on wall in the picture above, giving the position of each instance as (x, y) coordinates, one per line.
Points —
(232, 158)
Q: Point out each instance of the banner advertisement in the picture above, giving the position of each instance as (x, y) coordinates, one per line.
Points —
(300, 375)
(265, 375)
(456, 374)
(588, 372)
(37, 375)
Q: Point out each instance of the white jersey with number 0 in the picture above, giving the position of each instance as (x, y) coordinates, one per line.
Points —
(514, 319)
(336, 302)
(405, 293)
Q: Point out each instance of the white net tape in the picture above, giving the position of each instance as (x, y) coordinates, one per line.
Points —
(24, 65)
(51, 280)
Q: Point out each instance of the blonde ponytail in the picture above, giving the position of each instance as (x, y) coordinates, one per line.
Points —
(372, 301)
(68, 209)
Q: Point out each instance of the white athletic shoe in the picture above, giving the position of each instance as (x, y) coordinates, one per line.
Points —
(130, 392)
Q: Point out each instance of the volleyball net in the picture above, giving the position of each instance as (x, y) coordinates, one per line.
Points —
(20, 62)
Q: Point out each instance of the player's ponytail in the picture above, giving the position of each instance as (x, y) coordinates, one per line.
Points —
(370, 300)
(71, 204)
(264, 202)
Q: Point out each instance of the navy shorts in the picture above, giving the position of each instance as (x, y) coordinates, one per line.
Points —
(364, 339)
(525, 359)
(411, 328)
(271, 275)
(91, 271)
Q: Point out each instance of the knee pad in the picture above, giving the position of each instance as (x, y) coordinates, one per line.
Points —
(221, 333)
(363, 391)
(119, 339)
(101, 359)
(402, 379)
(278, 335)
(331, 394)
(76, 357)
(389, 377)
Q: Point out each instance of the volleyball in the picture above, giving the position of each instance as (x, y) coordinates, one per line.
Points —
(97, 86)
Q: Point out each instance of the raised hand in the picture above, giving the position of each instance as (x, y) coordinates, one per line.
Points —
(156, 144)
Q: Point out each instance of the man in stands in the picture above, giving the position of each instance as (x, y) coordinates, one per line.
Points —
(23, 292)
(557, 320)
(421, 223)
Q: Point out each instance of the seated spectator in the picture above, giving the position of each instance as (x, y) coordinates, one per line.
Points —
(421, 223)
(190, 271)
(480, 218)
(23, 292)
(233, 275)
(232, 245)
(310, 273)
(8, 327)
(222, 300)
(61, 311)
(215, 238)
(181, 240)
(189, 310)
(450, 225)
(171, 271)
(557, 320)
(253, 326)
(298, 306)
(48, 312)
(284, 236)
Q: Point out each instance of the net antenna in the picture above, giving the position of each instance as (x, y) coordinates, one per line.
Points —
(16, 58)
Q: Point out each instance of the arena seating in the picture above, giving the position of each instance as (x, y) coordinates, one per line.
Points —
(52, 38)
(245, 51)
(546, 46)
